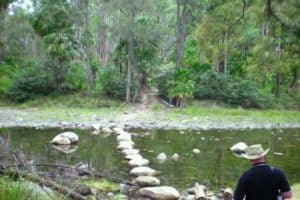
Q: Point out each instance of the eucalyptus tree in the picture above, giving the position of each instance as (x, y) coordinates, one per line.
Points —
(53, 21)
(3, 9)
(218, 30)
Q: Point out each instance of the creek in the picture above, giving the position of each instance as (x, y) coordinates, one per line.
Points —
(215, 166)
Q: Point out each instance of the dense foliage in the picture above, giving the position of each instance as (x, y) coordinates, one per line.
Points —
(242, 53)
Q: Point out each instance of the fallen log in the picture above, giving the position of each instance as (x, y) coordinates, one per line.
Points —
(200, 192)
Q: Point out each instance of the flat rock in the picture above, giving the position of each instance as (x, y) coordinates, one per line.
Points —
(124, 137)
(147, 181)
(138, 162)
(142, 171)
(65, 138)
(196, 151)
(130, 151)
(161, 192)
(134, 156)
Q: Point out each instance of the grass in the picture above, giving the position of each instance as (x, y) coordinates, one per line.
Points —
(17, 190)
(236, 114)
(103, 185)
(82, 108)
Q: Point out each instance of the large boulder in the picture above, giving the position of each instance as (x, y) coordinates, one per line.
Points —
(161, 193)
(65, 138)
(138, 162)
(142, 171)
(147, 181)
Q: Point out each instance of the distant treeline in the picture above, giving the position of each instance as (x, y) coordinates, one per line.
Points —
(240, 52)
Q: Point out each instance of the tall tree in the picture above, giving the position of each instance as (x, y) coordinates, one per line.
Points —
(89, 76)
(3, 8)
(181, 25)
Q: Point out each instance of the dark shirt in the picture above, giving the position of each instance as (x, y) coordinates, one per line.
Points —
(261, 182)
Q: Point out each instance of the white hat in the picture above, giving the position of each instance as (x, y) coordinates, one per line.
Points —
(254, 152)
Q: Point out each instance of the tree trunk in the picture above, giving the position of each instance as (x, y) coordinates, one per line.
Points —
(2, 39)
(277, 83)
(293, 89)
(225, 53)
(181, 20)
(101, 35)
(130, 58)
(89, 77)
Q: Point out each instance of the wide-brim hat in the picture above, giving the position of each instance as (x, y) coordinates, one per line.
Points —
(254, 152)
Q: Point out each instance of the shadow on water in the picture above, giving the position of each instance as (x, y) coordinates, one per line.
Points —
(215, 165)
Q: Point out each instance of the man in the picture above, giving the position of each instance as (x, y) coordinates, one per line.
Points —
(261, 182)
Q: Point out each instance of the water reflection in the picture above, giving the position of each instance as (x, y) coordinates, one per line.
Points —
(215, 165)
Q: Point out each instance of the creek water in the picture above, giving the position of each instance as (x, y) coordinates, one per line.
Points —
(214, 166)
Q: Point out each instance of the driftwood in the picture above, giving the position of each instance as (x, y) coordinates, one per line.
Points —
(200, 192)
(61, 189)
(228, 194)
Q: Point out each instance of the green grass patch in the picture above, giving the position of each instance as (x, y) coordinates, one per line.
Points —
(103, 185)
(235, 114)
(20, 190)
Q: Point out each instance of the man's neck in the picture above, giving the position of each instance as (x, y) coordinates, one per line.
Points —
(257, 161)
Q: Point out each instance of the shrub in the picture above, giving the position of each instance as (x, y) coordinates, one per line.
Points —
(161, 81)
(5, 79)
(210, 85)
(74, 79)
(181, 86)
(113, 84)
(31, 83)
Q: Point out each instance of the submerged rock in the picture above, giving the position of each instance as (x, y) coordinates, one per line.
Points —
(65, 138)
(147, 181)
(162, 192)
(142, 171)
(196, 151)
(162, 157)
(175, 156)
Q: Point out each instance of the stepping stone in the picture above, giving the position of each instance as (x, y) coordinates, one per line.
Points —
(147, 181)
(161, 192)
(134, 156)
(142, 171)
(138, 162)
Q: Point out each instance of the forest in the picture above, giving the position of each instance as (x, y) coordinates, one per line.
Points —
(148, 99)
(240, 52)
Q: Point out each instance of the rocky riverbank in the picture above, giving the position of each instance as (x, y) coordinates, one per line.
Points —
(137, 119)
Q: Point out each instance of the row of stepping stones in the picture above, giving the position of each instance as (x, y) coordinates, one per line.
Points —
(139, 169)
